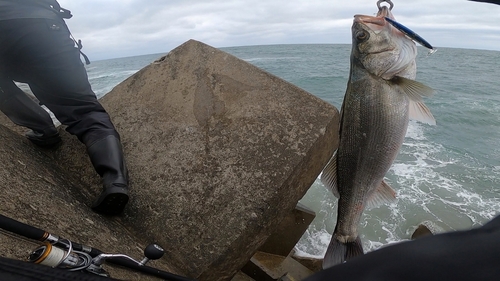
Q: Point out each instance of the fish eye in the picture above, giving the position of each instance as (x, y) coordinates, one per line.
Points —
(362, 35)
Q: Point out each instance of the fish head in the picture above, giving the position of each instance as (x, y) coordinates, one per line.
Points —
(381, 49)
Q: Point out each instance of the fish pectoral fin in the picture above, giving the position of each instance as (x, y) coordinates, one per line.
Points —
(383, 194)
(329, 175)
(415, 91)
(419, 112)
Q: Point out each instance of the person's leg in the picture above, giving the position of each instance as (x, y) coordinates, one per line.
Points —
(49, 62)
(23, 111)
(107, 158)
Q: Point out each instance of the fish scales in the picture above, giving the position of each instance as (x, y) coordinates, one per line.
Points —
(381, 97)
(372, 140)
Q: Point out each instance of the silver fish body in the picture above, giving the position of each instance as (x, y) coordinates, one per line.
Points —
(380, 99)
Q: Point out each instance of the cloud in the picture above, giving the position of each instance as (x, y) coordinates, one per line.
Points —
(111, 28)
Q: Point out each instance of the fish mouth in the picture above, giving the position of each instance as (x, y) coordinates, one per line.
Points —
(370, 20)
(375, 22)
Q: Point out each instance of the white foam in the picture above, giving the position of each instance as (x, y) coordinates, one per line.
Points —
(426, 192)
(313, 244)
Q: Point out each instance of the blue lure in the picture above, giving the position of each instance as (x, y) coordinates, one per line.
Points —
(408, 32)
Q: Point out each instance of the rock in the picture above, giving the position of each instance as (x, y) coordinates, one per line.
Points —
(426, 228)
(421, 231)
(36, 191)
(240, 276)
(289, 232)
(274, 259)
(269, 267)
(219, 152)
(312, 264)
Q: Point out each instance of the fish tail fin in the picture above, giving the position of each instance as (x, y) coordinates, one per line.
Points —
(339, 252)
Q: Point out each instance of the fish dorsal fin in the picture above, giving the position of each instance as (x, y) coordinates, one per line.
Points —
(415, 91)
(329, 176)
(383, 194)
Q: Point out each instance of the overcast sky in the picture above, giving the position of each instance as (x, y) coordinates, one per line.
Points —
(121, 28)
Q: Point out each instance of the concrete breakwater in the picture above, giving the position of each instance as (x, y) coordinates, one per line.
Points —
(219, 153)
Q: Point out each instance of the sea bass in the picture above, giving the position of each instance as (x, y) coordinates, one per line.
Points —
(381, 97)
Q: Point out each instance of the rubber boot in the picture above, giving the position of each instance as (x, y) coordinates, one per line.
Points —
(24, 111)
(49, 138)
(107, 158)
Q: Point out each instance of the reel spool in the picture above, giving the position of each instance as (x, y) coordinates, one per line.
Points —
(50, 255)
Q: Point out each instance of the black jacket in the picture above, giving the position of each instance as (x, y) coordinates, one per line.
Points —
(460, 255)
(32, 9)
(488, 1)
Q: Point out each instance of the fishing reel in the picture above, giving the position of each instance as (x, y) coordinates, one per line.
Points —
(152, 252)
(62, 255)
(55, 256)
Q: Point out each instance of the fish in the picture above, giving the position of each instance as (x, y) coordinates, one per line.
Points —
(381, 97)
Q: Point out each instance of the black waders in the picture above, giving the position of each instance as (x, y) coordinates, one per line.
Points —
(107, 157)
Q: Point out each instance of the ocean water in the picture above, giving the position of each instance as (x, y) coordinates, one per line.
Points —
(446, 175)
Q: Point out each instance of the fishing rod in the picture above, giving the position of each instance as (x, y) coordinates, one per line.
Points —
(62, 253)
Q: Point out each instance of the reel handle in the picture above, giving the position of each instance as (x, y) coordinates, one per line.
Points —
(152, 252)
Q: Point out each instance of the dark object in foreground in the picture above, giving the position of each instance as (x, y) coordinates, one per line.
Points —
(461, 255)
(488, 1)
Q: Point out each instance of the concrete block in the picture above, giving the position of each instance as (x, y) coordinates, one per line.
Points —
(289, 232)
(268, 267)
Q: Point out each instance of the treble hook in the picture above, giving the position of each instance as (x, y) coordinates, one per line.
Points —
(388, 2)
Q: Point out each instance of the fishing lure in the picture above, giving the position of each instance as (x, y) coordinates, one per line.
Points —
(414, 36)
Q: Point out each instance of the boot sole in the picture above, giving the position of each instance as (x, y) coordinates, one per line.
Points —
(111, 203)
